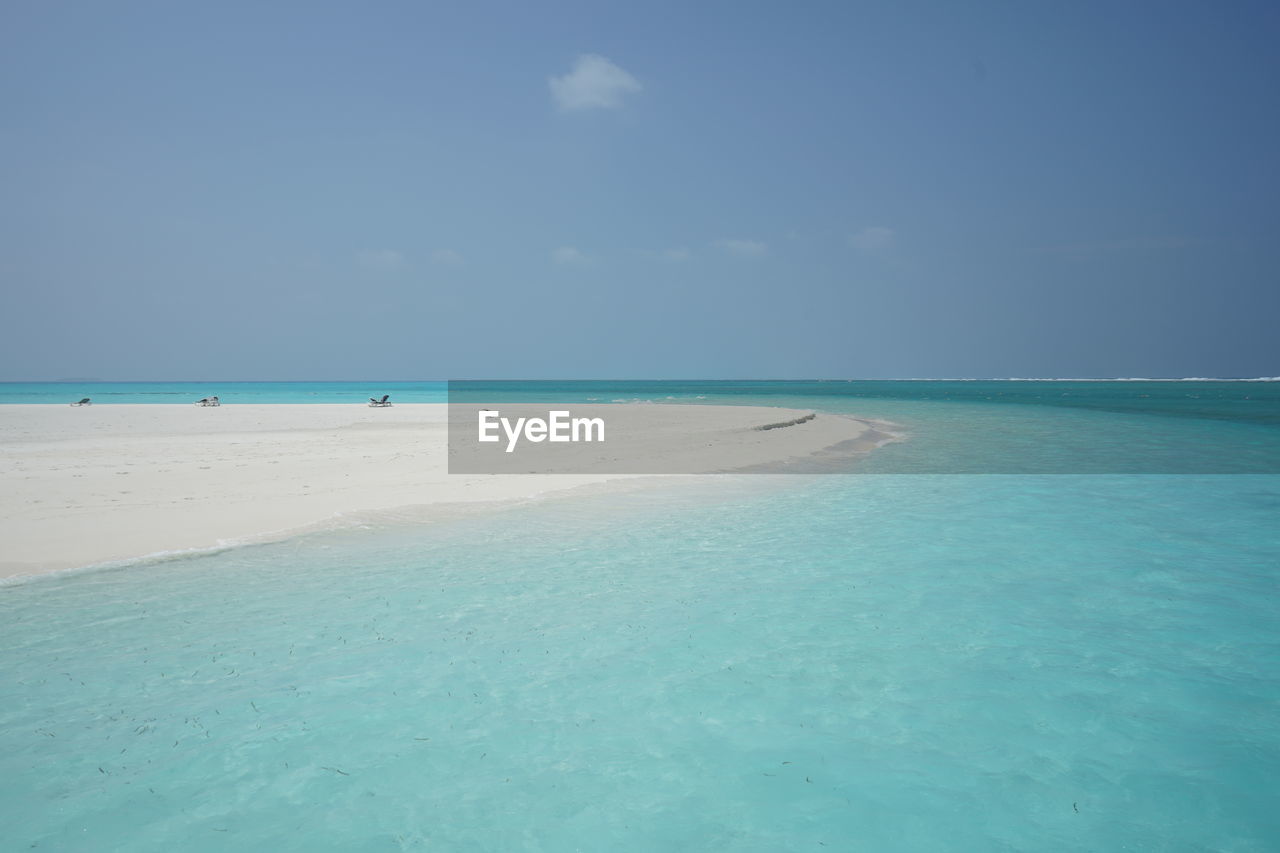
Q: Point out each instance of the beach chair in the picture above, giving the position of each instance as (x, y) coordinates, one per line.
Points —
(385, 401)
(84, 402)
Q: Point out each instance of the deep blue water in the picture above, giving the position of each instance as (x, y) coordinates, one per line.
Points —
(1237, 401)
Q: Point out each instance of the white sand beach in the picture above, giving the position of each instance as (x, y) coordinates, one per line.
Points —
(84, 486)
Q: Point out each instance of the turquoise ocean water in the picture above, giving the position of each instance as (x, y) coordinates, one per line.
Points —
(943, 660)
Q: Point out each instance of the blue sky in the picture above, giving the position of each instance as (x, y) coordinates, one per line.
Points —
(643, 190)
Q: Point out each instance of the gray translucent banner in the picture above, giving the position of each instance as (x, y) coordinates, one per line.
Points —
(588, 427)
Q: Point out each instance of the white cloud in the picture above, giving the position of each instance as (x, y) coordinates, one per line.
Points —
(447, 257)
(675, 255)
(871, 239)
(745, 248)
(568, 256)
(383, 260)
(593, 82)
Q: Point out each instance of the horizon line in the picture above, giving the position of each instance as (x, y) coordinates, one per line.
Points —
(99, 381)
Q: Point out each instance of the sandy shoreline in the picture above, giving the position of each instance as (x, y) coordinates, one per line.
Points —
(109, 483)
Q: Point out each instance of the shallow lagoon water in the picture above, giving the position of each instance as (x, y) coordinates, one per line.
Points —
(841, 662)
(1078, 661)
